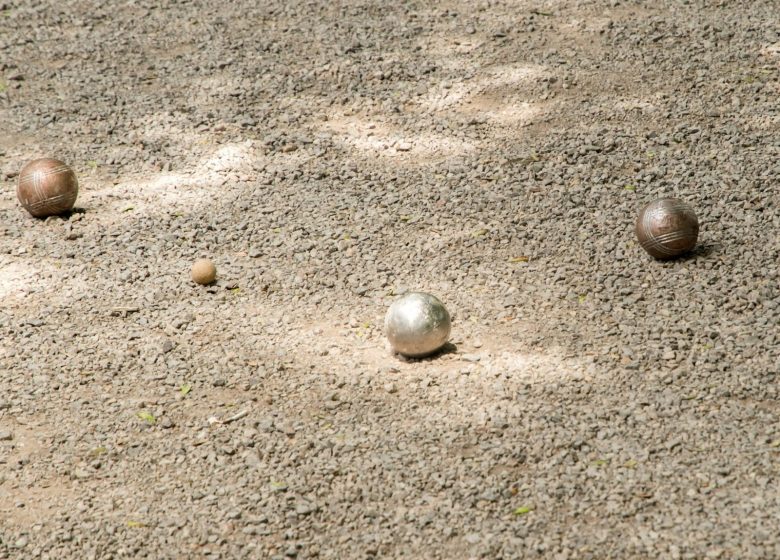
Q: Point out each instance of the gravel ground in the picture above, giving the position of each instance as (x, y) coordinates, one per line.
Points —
(328, 156)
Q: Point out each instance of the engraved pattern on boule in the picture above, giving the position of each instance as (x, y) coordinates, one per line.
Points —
(417, 325)
(47, 187)
(667, 228)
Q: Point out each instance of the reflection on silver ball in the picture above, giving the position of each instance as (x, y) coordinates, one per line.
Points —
(417, 324)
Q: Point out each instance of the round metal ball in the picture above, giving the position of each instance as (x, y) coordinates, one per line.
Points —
(47, 187)
(667, 228)
(417, 324)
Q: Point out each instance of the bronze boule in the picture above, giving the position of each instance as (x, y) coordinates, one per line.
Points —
(667, 228)
(47, 187)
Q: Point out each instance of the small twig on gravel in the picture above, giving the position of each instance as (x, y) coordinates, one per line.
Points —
(237, 416)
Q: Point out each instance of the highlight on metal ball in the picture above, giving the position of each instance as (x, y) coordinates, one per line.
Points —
(667, 228)
(417, 324)
(47, 187)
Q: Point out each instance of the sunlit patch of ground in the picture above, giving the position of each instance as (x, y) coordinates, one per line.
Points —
(486, 380)
(772, 50)
(375, 138)
(25, 503)
(505, 80)
(18, 279)
(533, 367)
(763, 122)
(500, 94)
(176, 191)
(586, 25)
(451, 49)
(628, 104)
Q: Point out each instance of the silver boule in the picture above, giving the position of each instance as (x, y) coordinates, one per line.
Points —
(417, 324)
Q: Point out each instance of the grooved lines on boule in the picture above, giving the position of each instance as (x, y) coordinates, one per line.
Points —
(660, 243)
(52, 201)
(40, 175)
(667, 228)
(47, 187)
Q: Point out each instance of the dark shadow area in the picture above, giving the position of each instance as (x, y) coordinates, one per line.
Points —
(448, 348)
(704, 250)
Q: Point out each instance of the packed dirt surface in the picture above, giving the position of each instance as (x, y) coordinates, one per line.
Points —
(329, 156)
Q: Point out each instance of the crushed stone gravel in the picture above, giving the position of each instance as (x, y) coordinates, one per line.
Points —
(328, 157)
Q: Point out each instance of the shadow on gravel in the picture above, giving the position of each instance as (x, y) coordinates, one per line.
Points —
(448, 348)
(703, 250)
